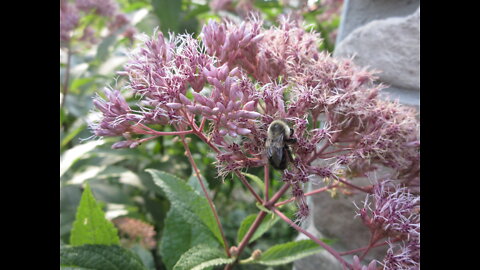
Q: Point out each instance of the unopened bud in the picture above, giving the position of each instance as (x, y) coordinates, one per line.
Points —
(234, 251)
(257, 254)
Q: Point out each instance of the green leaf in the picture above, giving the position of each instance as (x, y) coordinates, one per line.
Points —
(91, 226)
(288, 252)
(266, 224)
(179, 236)
(76, 130)
(255, 179)
(105, 47)
(189, 221)
(69, 199)
(168, 13)
(193, 207)
(144, 255)
(72, 155)
(201, 257)
(101, 257)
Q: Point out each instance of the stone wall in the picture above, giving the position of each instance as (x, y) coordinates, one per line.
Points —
(384, 35)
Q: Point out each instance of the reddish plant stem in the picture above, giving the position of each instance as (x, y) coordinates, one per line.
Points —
(307, 194)
(212, 206)
(143, 129)
(367, 189)
(324, 147)
(311, 236)
(266, 178)
(257, 222)
(207, 141)
(277, 195)
(364, 248)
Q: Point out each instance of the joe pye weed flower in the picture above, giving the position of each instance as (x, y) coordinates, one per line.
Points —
(229, 85)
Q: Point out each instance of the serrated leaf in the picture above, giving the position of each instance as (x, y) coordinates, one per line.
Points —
(201, 257)
(101, 257)
(288, 252)
(266, 224)
(90, 225)
(179, 236)
(186, 222)
(193, 207)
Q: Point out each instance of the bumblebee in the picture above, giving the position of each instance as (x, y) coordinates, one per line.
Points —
(279, 137)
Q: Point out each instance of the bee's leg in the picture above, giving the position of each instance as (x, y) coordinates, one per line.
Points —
(290, 141)
(289, 153)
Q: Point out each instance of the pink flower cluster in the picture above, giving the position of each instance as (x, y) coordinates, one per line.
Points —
(395, 215)
(228, 88)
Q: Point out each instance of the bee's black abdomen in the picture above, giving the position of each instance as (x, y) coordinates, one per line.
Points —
(279, 163)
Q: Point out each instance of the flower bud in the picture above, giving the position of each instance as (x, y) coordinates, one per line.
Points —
(199, 98)
(184, 99)
(249, 106)
(174, 105)
(243, 131)
(220, 106)
(257, 254)
(193, 109)
(257, 38)
(222, 132)
(234, 251)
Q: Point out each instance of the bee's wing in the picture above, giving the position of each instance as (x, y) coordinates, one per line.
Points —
(276, 147)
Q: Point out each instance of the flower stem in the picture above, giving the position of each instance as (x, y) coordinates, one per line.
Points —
(212, 206)
(309, 235)
(367, 189)
(266, 178)
(307, 194)
(258, 220)
(143, 129)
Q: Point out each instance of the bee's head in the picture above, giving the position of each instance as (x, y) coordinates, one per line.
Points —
(280, 127)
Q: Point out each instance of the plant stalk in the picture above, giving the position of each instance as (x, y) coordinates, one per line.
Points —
(311, 236)
(212, 206)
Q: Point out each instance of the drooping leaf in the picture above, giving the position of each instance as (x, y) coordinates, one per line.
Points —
(193, 207)
(99, 257)
(266, 224)
(145, 256)
(201, 257)
(70, 156)
(189, 221)
(168, 13)
(288, 252)
(255, 179)
(91, 226)
(179, 236)
(105, 47)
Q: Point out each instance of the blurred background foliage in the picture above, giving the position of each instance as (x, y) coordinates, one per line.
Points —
(117, 177)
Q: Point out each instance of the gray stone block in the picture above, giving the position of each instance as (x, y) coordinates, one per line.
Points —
(356, 13)
(391, 46)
